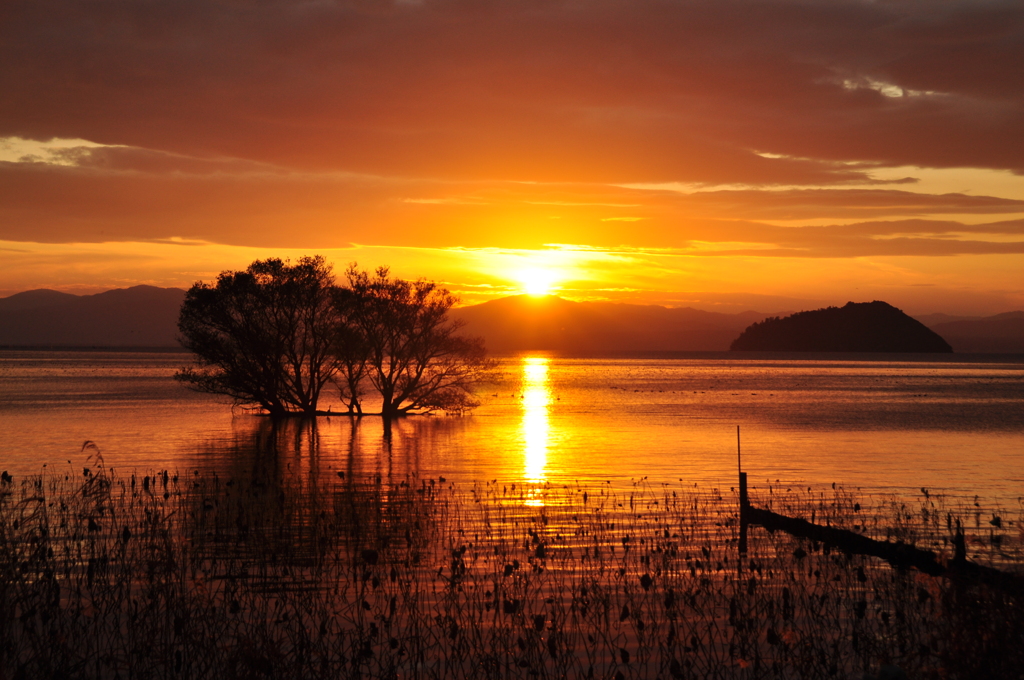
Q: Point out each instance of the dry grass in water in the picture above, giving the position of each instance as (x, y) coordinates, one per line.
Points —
(195, 576)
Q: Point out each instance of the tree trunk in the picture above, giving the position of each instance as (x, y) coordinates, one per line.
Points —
(354, 407)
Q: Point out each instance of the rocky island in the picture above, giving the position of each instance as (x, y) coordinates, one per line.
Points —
(856, 327)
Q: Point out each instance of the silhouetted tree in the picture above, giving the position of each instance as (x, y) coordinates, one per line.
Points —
(351, 349)
(266, 335)
(415, 357)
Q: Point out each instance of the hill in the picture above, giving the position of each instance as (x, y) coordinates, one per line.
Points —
(524, 322)
(856, 327)
(34, 299)
(1002, 333)
(141, 316)
(932, 320)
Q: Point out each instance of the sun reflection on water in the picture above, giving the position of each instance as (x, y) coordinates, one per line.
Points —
(535, 426)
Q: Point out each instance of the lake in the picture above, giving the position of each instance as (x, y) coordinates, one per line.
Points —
(881, 424)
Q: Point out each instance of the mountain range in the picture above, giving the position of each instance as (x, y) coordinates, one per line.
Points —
(141, 316)
(1002, 333)
(524, 322)
(146, 316)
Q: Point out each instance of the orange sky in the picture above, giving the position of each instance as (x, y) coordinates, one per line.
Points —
(748, 154)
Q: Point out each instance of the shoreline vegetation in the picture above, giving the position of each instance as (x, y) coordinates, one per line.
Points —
(191, 575)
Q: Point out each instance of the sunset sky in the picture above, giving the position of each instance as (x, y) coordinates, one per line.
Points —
(730, 155)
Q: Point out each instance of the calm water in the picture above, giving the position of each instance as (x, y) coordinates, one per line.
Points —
(879, 425)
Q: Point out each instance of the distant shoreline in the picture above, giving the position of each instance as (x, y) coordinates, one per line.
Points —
(137, 349)
(724, 355)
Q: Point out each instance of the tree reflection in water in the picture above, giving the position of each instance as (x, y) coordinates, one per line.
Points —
(277, 502)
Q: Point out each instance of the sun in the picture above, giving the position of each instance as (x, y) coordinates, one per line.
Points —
(537, 281)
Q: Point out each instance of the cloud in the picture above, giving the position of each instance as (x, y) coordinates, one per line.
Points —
(757, 130)
(126, 194)
(800, 204)
(600, 90)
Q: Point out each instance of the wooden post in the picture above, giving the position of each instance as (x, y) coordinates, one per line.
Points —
(744, 505)
(739, 458)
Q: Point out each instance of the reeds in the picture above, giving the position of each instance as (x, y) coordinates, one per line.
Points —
(196, 576)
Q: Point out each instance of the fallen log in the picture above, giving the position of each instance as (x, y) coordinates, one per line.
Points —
(897, 553)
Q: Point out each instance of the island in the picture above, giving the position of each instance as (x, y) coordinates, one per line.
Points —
(856, 327)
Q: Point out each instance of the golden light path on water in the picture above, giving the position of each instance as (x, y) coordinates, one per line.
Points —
(536, 428)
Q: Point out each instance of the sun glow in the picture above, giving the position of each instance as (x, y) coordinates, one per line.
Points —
(537, 281)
